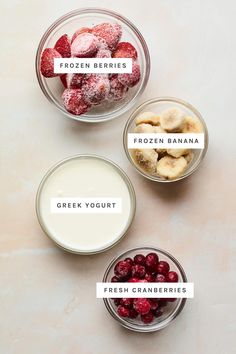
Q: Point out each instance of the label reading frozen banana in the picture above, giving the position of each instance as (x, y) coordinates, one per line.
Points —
(165, 141)
(86, 205)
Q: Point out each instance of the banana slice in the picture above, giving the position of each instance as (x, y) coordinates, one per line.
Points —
(148, 118)
(177, 152)
(147, 158)
(170, 167)
(189, 157)
(172, 119)
(192, 125)
(144, 128)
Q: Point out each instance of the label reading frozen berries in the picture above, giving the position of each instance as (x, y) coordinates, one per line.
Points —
(166, 141)
(93, 65)
(145, 290)
(86, 205)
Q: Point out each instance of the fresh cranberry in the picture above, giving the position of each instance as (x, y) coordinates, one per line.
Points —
(160, 278)
(172, 277)
(133, 280)
(163, 267)
(162, 302)
(148, 318)
(138, 271)
(116, 302)
(114, 279)
(157, 313)
(149, 277)
(142, 281)
(139, 259)
(132, 313)
(123, 311)
(171, 299)
(154, 304)
(129, 260)
(142, 306)
(151, 261)
(122, 269)
(126, 302)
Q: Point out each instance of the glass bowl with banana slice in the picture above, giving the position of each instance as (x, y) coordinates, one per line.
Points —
(165, 139)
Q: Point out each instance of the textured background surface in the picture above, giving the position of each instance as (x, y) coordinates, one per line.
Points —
(47, 297)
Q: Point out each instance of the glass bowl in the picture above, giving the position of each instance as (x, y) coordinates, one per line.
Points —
(157, 105)
(69, 23)
(170, 312)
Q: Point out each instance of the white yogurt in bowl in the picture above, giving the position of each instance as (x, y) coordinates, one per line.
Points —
(85, 204)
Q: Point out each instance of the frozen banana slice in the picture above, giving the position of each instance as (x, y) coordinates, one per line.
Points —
(148, 118)
(144, 128)
(192, 125)
(189, 157)
(147, 158)
(172, 119)
(170, 167)
(177, 152)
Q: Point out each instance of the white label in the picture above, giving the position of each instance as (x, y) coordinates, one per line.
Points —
(145, 290)
(165, 141)
(86, 205)
(93, 65)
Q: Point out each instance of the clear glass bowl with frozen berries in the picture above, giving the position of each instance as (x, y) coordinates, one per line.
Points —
(92, 33)
(165, 115)
(146, 264)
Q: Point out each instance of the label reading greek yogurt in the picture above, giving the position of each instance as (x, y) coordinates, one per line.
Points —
(86, 205)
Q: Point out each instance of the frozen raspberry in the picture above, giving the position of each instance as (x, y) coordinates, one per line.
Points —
(122, 269)
(126, 302)
(74, 81)
(172, 277)
(96, 88)
(110, 32)
(103, 53)
(133, 280)
(63, 46)
(117, 90)
(139, 259)
(125, 50)
(73, 101)
(79, 31)
(160, 278)
(47, 62)
(149, 277)
(133, 314)
(116, 302)
(84, 46)
(148, 318)
(162, 267)
(63, 80)
(123, 311)
(142, 306)
(138, 271)
(151, 261)
(157, 313)
(132, 79)
(128, 259)
(153, 303)
(115, 279)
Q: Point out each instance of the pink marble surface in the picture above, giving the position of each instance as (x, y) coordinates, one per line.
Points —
(47, 297)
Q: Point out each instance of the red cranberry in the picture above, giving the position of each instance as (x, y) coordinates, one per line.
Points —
(142, 306)
(142, 281)
(139, 259)
(151, 260)
(129, 260)
(148, 318)
(116, 302)
(138, 271)
(132, 313)
(163, 267)
(154, 304)
(160, 278)
(123, 311)
(126, 302)
(171, 299)
(149, 277)
(114, 279)
(122, 269)
(172, 277)
(157, 313)
(133, 280)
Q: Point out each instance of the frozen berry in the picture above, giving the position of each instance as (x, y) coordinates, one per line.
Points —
(133, 314)
(142, 306)
(63, 46)
(63, 80)
(103, 53)
(138, 271)
(139, 259)
(115, 279)
(133, 280)
(74, 81)
(116, 302)
(126, 302)
(151, 261)
(154, 304)
(79, 31)
(84, 46)
(47, 62)
(132, 79)
(96, 88)
(123, 311)
(122, 269)
(172, 277)
(102, 44)
(128, 259)
(117, 90)
(125, 50)
(157, 313)
(148, 318)
(110, 32)
(162, 267)
(160, 278)
(73, 101)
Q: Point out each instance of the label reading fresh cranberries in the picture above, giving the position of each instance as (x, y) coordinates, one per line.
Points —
(145, 290)
(93, 65)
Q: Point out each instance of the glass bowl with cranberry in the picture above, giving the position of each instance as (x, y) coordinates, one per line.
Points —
(144, 264)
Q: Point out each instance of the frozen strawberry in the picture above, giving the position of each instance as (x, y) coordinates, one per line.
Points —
(101, 43)
(47, 62)
(79, 31)
(84, 46)
(132, 79)
(96, 89)
(103, 53)
(63, 80)
(125, 50)
(73, 101)
(117, 90)
(74, 81)
(63, 46)
(110, 32)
